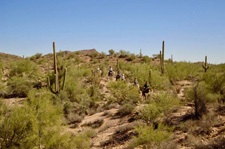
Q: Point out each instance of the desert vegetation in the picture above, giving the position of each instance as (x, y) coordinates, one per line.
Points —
(67, 100)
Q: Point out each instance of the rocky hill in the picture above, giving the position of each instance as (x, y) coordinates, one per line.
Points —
(183, 109)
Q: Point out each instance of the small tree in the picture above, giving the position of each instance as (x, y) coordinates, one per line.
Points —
(111, 52)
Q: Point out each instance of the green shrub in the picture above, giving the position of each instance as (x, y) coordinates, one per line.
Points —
(38, 123)
(198, 94)
(93, 55)
(71, 55)
(36, 56)
(3, 108)
(146, 59)
(126, 109)
(19, 86)
(150, 137)
(141, 71)
(163, 101)
(1, 70)
(23, 76)
(111, 52)
(102, 55)
(124, 93)
(3, 89)
(182, 71)
(124, 54)
(26, 68)
(131, 57)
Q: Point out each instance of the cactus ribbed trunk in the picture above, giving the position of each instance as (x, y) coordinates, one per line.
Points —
(205, 66)
(162, 58)
(56, 76)
(55, 70)
(64, 79)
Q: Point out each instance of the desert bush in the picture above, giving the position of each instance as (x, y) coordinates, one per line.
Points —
(216, 81)
(43, 61)
(124, 54)
(74, 86)
(94, 55)
(156, 56)
(23, 76)
(36, 56)
(126, 109)
(198, 94)
(141, 71)
(163, 101)
(19, 86)
(38, 123)
(102, 55)
(182, 71)
(3, 108)
(146, 59)
(1, 70)
(71, 55)
(3, 89)
(123, 93)
(150, 137)
(131, 57)
(23, 68)
(111, 52)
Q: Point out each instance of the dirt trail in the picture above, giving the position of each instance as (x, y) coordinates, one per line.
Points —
(10, 102)
(104, 123)
(181, 86)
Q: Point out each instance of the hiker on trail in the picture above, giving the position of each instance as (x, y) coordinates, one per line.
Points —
(118, 76)
(123, 77)
(110, 71)
(145, 89)
(135, 81)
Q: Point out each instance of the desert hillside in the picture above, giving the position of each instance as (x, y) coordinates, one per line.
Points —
(69, 101)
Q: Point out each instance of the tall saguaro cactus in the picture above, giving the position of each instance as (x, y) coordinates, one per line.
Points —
(56, 70)
(205, 66)
(162, 58)
(56, 76)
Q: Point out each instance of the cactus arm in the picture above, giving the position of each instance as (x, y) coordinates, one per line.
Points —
(49, 85)
(162, 64)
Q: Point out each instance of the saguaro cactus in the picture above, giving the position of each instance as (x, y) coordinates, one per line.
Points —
(162, 58)
(56, 75)
(205, 66)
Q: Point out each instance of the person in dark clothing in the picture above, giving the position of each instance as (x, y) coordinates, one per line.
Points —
(145, 89)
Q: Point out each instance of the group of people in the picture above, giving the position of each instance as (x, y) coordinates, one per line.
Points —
(144, 90)
(118, 76)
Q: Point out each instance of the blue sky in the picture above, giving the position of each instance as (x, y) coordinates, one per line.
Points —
(191, 28)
